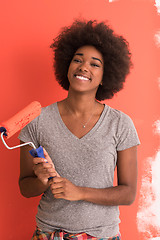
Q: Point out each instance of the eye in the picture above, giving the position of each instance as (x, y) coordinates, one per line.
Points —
(95, 65)
(76, 60)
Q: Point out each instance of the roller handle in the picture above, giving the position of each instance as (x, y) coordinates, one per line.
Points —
(38, 153)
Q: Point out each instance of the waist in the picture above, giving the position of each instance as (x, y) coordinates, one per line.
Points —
(62, 235)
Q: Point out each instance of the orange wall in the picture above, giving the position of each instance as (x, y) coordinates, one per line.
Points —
(27, 30)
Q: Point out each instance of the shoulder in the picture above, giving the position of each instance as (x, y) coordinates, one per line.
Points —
(46, 113)
(125, 132)
(48, 109)
(118, 116)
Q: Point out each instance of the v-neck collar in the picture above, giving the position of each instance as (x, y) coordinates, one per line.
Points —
(91, 132)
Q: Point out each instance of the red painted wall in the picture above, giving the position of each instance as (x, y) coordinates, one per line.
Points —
(27, 30)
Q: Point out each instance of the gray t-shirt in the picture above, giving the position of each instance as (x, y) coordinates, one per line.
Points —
(88, 162)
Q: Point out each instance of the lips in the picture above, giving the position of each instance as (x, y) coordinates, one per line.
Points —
(82, 77)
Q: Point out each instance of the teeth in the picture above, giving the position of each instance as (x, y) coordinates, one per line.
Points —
(82, 78)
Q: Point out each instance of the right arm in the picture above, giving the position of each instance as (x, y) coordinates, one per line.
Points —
(34, 173)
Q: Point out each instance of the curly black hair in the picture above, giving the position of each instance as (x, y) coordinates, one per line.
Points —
(114, 49)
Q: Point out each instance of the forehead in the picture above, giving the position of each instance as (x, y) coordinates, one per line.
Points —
(90, 52)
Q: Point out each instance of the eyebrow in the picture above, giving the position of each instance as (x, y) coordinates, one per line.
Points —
(81, 54)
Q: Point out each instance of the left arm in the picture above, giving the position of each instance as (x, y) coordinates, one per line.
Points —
(122, 194)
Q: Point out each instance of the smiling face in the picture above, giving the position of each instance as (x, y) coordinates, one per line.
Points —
(85, 72)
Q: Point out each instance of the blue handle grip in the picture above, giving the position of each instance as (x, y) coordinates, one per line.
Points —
(38, 153)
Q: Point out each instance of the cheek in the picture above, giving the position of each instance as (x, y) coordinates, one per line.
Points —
(69, 73)
(70, 70)
(100, 75)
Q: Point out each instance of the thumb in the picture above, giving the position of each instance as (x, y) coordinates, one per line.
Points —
(49, 160)
(47, 157)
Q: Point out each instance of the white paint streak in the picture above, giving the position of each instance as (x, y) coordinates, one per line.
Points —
(148, 216)
(156, 189)
(157, 4)
(110, 1)
(157, 38)
(159, 82)
(156, 127)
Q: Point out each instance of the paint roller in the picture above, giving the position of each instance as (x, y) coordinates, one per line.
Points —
(19, 121)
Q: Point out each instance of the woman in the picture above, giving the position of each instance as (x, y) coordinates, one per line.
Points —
(83, 139)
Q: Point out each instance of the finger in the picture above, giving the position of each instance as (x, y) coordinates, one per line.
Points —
(49, 160)
(57, 191)
(58, 179)
(51, 169)
(57, 174)
(44, 167)
(57, 185)
(44, 172)
(39, 160)
(59, 195)
(48, 166)
(56, 182)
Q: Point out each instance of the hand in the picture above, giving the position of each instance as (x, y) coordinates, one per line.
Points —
(63, 188)
(44, 168)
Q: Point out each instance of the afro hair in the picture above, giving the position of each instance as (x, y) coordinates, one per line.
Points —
(114, 49)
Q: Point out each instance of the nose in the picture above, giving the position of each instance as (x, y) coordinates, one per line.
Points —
(83, 67)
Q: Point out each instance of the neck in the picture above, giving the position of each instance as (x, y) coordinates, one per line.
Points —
(80, 103)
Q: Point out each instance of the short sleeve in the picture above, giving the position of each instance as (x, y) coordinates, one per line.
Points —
(29, 133)
(126, 134)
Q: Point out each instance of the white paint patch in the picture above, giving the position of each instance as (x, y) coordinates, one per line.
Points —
(148, 216)
(157, 4)
(110, 1)
(159, 82)
(156, 127)
(157, 38)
